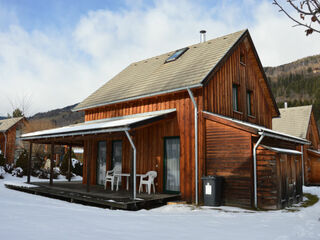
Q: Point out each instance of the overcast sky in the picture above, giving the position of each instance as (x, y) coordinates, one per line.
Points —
(56, 53)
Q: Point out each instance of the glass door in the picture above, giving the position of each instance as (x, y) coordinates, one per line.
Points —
(172, 164)
(116, 155)
(101, 162)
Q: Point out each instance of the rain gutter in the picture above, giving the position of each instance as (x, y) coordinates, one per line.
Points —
(134, 194)
(195, 143)
(255, 168)
(137, 97)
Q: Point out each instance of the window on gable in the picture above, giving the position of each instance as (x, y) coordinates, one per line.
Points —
(176, 54)
(235, 97)
(250, 103)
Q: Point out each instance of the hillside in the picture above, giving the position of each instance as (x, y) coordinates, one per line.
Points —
(60, 117)
(297, 83)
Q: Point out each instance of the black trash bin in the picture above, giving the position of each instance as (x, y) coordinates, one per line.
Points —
(212, 188)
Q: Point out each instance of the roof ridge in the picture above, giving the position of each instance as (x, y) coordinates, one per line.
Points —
(303, 106)
(189, 46)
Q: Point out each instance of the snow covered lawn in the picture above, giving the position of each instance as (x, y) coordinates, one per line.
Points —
(26, 216)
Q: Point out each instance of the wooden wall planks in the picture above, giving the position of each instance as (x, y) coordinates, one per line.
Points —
(218, 91)
(11, 144)
(228, 154)
(148, 157)
(267, 179)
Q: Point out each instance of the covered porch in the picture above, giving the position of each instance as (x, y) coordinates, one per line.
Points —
(99, 139)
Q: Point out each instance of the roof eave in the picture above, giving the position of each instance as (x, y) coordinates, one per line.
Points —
(137, 97)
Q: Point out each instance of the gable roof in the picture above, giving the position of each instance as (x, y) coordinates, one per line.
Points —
(293, 121)
(6, 124)
(153, 76)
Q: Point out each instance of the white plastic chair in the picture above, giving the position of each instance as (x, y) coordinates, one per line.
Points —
(148, 180)
(110, 177)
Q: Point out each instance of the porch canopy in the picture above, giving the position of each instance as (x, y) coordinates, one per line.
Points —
(74, 135)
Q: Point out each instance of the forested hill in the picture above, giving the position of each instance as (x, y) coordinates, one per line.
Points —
(297, 83)
(60, 117)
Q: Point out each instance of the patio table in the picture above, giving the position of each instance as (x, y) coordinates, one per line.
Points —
(127, 175)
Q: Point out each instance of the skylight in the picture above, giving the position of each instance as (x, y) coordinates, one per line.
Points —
(176, 55)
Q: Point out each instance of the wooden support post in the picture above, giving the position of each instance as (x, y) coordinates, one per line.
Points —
(69, 163)
(51, 163)
(89, 165)
(29, 162)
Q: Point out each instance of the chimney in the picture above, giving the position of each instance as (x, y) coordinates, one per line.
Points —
(285, 105)
(202, 36)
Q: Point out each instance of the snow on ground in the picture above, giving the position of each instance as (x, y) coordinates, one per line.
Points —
(26, 216)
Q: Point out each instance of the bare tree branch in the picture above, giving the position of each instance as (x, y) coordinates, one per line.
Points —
(309, 13)
(23, 103)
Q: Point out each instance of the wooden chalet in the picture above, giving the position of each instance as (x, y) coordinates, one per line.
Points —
(10, 132)
(205, 109)
(300, 122)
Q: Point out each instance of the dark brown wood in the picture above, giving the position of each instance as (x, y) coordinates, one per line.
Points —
(29, 162)
(311, 159)
(228, 154)
(69, 163)
(98, 197)
(267, 179)
(88, 165)
(51, 163)
(218, 91)
(10, 139)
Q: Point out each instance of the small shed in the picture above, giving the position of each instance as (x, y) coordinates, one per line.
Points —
(10, 132)
(300, 122)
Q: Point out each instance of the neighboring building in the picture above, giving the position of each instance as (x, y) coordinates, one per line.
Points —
(300, 122)
(150, 107)
(10, 132)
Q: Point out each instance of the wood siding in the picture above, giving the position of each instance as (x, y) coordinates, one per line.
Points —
(312, 133)
(149, 140)
(267, 179)
(314, 173)
(229, 154)
(311, 160)
(218, 91)
(279, 179)
(11, 144)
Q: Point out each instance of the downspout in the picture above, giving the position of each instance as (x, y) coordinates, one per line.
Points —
(195, 142)
(302, 165)
(5, 144)
(255, 169)
(134, 164)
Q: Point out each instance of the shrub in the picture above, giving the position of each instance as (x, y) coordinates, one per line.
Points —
(2, 172)
(2, 159)
(64, 164)
(23, 160)
(18, 172)
(45, 173)
(9, 167)
(77, 168)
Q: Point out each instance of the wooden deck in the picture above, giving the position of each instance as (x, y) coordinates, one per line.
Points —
(75, 192)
